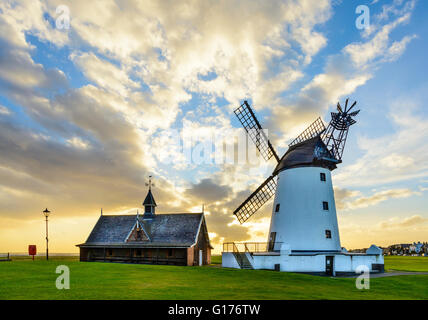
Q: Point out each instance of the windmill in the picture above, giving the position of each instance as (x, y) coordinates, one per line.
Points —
(304, 213)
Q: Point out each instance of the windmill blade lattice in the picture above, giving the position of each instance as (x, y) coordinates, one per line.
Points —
(256, 200)
(253, 128)
(337, 131)
(315, 129)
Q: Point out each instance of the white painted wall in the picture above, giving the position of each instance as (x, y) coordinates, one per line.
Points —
(305, 263)
(301, 221)
(315, 263)
(349, 263)
(228, 260)
(265, 262)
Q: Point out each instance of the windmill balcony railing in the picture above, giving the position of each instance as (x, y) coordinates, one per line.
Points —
(250, 247)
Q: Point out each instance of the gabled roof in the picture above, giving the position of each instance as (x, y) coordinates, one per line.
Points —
(150, 200)
(311, 152)
(173, 230)
(139, 225)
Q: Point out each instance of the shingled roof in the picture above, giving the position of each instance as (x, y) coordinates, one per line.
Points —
(164, 230)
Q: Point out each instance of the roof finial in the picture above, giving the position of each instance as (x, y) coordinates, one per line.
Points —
(138, 221)
(101, 211)
(150, 184)
(203, 206)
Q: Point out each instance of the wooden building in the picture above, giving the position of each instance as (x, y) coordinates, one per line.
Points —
(179, 239)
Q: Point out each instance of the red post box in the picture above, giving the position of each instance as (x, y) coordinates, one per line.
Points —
(32, 250)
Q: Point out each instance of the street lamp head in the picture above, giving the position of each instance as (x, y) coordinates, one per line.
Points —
(46, 212)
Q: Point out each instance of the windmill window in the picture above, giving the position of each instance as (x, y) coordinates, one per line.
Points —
(328, 234)
(325, 205)
(277, 207)
(322, 176)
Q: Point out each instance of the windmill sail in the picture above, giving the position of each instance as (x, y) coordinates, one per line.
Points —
(253, 128)
(315, 146)
(315, 129)
(256, 200)
(337, 131)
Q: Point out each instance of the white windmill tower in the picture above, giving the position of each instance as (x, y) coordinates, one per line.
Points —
(304, 211)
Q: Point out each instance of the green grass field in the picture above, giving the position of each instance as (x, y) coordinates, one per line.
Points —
(26, 279)
(406, 263)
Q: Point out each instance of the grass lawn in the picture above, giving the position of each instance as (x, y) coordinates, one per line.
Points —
(406, 263)
(26, 279)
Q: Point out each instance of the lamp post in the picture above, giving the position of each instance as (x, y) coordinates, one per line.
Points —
(46, 212)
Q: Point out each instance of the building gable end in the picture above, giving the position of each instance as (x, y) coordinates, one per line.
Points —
(137, 233)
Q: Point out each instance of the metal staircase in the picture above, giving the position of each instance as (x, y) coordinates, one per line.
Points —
(243, 261)
(241, 258)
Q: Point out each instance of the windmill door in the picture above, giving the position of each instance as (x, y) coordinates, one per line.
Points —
(329, 265)
(272, 241)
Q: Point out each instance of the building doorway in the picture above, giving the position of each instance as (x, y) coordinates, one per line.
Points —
(272, 241)
(329, 265)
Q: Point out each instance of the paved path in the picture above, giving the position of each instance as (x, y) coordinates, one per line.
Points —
(392, 273)
(398, 273)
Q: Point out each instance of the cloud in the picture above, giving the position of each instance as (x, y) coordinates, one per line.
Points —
(343, 73)
(4, 110)
(368, 52)
(208, 191)
(103, 73)
(397, 48)
(28, 17)
(18, 71)
(395, 8)
(343, 195)
(350, 200)
(358, 232)
(408, 222)
(395, 160)
(78, 143)
(169, 44)
(394, 157)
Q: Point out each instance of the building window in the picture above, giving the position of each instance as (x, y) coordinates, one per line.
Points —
(325, 205)
(322, 176)
(328, 234)
(169, 252)
(277, 207)
(138, 252)
(110, 252)
(139, 232)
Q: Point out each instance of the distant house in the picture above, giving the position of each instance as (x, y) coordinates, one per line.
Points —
(419, 248)
(179, 239)
(416, 247)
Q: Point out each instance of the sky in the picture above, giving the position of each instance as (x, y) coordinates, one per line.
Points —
(95, 96)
